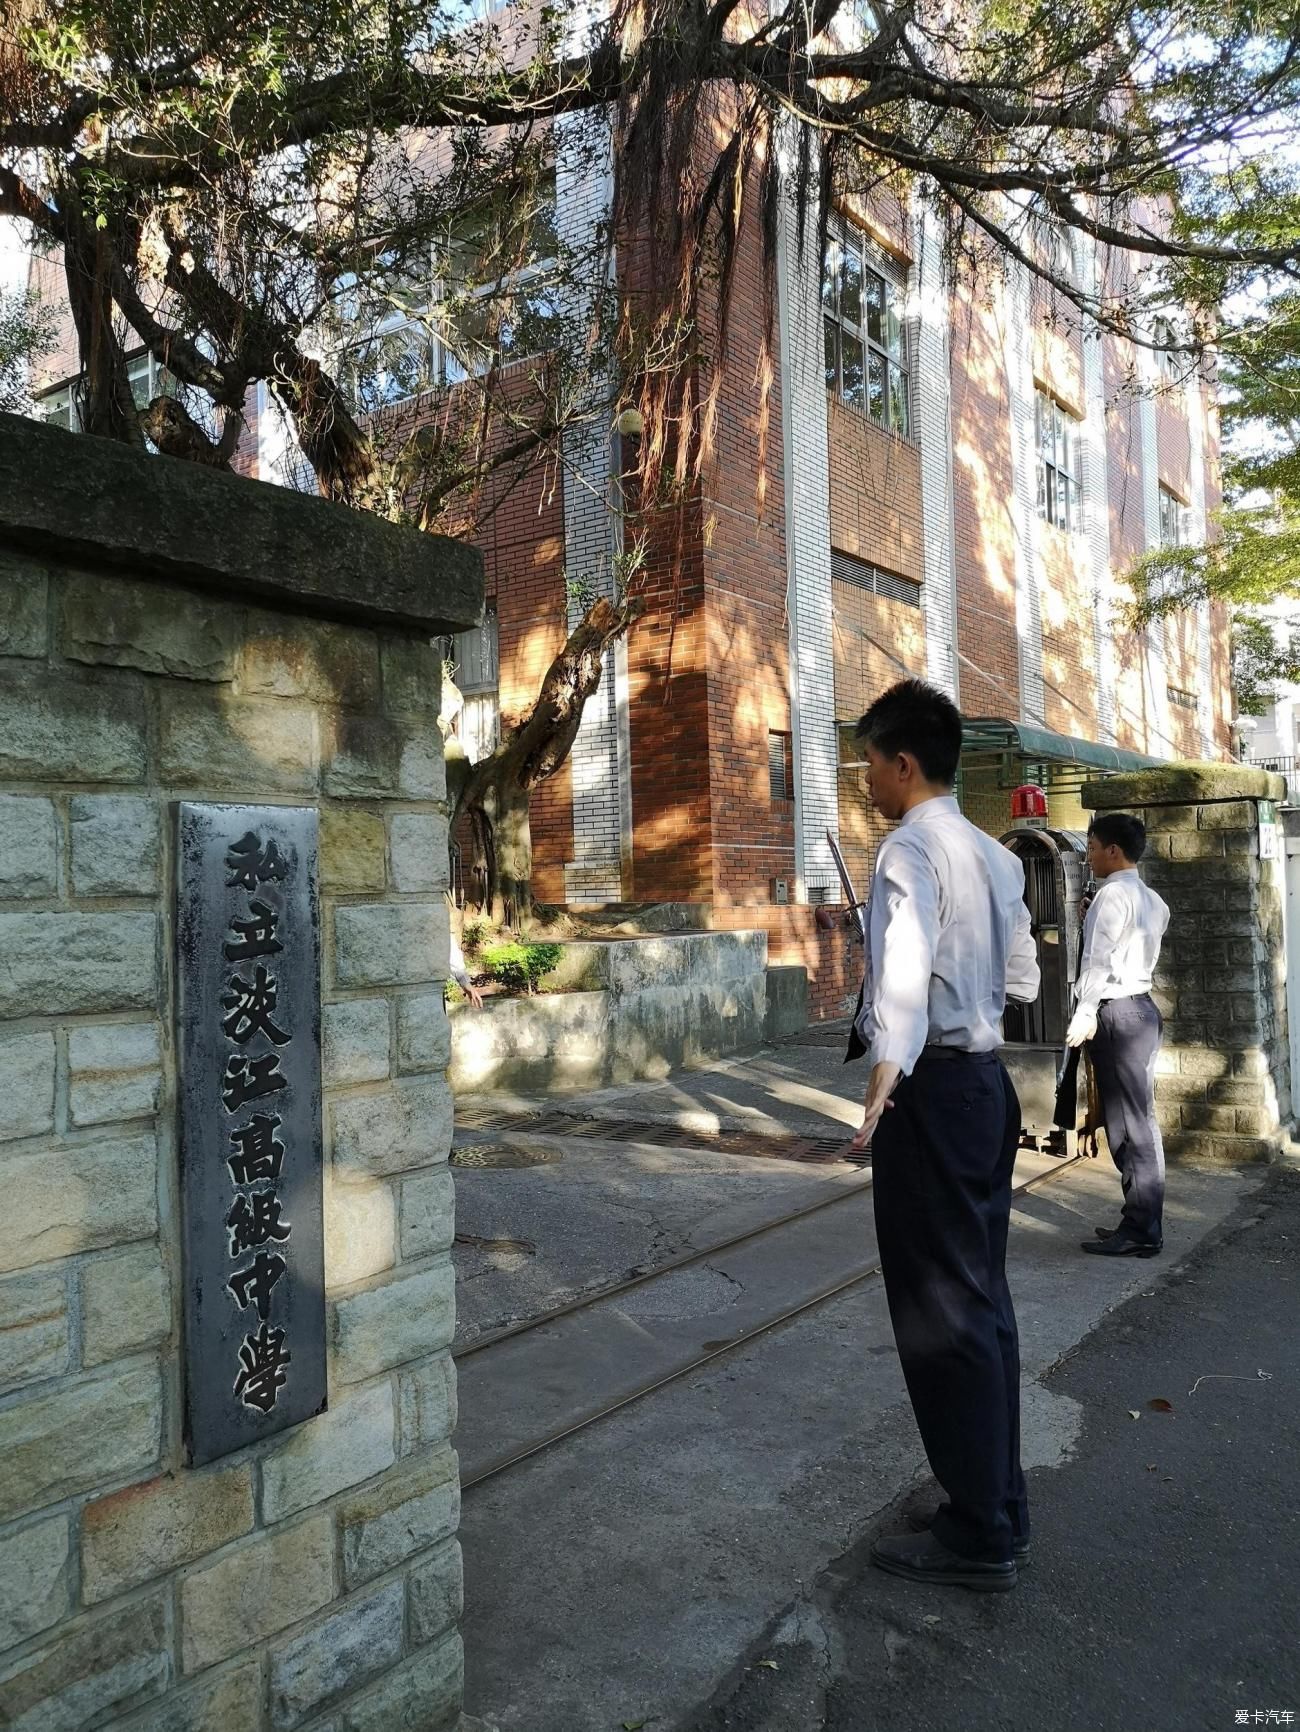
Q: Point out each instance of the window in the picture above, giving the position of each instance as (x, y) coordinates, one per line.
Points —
(474, 659)
(866, 343)
(62, 408)
(1184, 700)
(1060, 464)
(780, 765)
(874, 579)
(1165, 338)
(485, 295)
(1173, 520)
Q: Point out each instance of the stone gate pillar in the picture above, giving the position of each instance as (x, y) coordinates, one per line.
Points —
(171, 635)
(1215, 853)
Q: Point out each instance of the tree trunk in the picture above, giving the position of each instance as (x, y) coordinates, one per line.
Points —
(495, 793)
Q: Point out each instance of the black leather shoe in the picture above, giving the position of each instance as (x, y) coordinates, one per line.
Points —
(921, 1558)
(921, 1522)
(1121, 1245)
(1107, 1232)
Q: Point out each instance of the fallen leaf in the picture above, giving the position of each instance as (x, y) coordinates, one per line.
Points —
(1133, 1413)
(769, 1665)
(1153, 1467)
(933, 1618)
(1160, 1405)
(633, 1725)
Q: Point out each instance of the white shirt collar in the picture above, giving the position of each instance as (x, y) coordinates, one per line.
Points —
(942, 806)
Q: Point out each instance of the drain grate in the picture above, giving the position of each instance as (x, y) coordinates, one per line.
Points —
(811, 1150)
(503, 1155)
(818, 1037)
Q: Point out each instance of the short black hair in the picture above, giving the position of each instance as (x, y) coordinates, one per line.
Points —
(919, 719)
(1121, 830)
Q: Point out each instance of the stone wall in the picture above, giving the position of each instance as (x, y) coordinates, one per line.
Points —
(313, 1580)
(1224, 1084)
(616, 1011)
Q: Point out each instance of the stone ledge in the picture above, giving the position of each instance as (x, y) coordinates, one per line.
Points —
(1191, 784)
(95, 501)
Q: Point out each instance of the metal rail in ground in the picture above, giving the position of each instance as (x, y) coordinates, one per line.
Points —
(516, 1457)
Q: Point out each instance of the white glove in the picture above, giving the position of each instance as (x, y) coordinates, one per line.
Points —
(1083, 1026)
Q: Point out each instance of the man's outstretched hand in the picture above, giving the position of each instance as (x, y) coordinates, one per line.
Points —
(884, 1080)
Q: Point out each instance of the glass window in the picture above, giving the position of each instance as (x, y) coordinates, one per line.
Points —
(1173, 519)
(864, 331)
(1060, 464)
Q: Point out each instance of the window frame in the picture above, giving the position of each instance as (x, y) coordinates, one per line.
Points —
(840, 327)
(1172, 515)
(1059, 474)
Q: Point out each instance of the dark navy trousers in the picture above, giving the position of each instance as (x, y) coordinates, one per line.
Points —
(1123, 1053)
(941, 1184)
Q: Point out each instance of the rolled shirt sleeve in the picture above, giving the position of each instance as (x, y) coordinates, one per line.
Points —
(904, 927)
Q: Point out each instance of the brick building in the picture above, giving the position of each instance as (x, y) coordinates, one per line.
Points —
(954, 481)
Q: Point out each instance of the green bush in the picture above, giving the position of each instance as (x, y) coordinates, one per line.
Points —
(473, 933)
(520, 966)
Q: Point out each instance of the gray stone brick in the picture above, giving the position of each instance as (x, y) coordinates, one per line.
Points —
(437, 1594)
(406, 1126)
(26, 1085)
(412, 671)
(417, 844)
(116, 849)
(252, 745)
(24, 607)
(352, 1442)
(407, 1512)
(83, 1198)
(34, 1340)
(100, 1666)
(313, 659)
(35, 1586)
(391, 944)
(360, 1230)
(1196, 845)
(423, 1033)
(68, 964)
(119, 623)
(428, 1403)
(125, 1303)
(425, 1694)
(1227, 815)
(428, 1213)
(229, 1701)
(351, 1646)
(256, 1590)
(352, 850)
(406, 1318)
(72, 728)
(355, 1041)
(29, 847)
(114, 1072)
(134, 1535)
(99, 1429)
(368, 757)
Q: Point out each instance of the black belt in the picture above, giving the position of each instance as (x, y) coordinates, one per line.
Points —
(933, 1050)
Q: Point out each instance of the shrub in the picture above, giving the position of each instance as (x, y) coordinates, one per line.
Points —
(520, 966)
(473, 933)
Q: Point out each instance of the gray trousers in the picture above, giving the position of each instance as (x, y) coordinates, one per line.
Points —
(1124, 1057)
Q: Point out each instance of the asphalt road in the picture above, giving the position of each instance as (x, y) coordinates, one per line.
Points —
(1164, 1594)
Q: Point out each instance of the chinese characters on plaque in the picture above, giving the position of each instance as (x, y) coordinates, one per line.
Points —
(248, 1037)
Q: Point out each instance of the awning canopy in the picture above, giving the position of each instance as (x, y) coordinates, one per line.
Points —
(1022, 753)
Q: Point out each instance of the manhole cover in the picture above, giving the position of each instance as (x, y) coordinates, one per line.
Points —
(503, 1155)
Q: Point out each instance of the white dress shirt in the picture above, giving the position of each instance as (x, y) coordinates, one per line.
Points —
(949, 938)
(1121, 940)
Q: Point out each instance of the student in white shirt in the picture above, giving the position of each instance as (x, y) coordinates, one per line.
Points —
(1117, 1017)
(949, 941)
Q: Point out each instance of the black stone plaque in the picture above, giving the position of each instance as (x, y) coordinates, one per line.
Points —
(248, 1041)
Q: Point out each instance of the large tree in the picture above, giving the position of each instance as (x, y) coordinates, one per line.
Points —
(258, 191)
